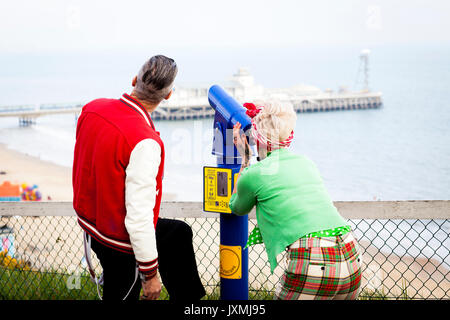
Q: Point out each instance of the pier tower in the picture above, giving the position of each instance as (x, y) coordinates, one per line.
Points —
(364, 66)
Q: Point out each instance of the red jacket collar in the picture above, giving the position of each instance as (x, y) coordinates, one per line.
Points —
(135, 104)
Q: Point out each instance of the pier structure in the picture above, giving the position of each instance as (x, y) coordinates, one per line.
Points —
(199, 108)
(319, 103)
(301, 104)
(336, 103)
(28, 114)
(192, 103)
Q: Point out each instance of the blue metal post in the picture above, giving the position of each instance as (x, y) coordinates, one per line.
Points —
(233, 228)
(234, 232)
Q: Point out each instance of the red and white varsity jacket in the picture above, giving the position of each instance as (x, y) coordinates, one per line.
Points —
(117, 177)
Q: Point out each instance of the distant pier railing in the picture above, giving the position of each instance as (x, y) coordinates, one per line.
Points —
(318, 103)
(28, 114)
(404, 244)
(357, 102)
(321, 103)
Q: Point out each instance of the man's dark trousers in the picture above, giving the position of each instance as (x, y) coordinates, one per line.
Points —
(177, 265)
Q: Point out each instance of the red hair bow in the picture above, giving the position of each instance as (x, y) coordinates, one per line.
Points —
(252, 110)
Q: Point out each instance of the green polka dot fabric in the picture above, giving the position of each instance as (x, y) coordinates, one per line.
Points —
(255, 236)
(339, 231)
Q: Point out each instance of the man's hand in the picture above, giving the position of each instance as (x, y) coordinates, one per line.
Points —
(151, 289)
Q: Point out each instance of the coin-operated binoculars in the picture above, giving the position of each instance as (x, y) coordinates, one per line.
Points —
(217, 189)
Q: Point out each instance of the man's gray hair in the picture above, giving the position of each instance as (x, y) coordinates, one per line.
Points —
(155, 79)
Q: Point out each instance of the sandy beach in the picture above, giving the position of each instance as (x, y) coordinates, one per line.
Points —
(53, 180)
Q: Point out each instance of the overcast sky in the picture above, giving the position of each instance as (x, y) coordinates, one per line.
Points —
(71, 25)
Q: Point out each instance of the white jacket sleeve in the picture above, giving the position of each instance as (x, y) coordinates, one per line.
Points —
(140, 198)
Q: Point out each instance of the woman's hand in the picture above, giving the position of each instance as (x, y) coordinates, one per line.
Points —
(242, 146)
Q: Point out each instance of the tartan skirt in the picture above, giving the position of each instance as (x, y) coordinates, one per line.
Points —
(321, 268)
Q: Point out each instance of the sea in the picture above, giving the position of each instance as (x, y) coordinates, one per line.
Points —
(400, 151)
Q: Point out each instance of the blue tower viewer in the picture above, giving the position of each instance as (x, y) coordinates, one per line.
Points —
(233, 228)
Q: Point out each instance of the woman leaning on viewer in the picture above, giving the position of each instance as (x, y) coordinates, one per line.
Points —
(294, 211)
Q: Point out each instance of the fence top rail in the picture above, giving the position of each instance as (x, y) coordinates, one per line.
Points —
(408, 209)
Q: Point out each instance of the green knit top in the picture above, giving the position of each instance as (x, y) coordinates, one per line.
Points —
(290, 197)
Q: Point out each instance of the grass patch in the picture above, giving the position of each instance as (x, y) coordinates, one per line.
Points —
(17, 284)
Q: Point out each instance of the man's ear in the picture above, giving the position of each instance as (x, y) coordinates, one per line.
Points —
(169, 95)
(133, 82)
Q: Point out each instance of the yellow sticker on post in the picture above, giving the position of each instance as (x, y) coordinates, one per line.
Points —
(216, 189)
(230, 262)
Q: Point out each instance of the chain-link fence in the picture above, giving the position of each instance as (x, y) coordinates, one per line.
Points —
(402, 259)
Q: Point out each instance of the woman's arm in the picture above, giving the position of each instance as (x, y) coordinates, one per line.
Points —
(240, 141)
(242, 200)
(237, 178)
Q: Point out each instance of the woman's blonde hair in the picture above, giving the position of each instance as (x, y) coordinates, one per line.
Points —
(276, 120)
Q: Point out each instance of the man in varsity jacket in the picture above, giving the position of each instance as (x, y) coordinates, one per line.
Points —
(117, 178)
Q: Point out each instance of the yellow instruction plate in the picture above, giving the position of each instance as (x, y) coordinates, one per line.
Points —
(230, 262)
(216, 189)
